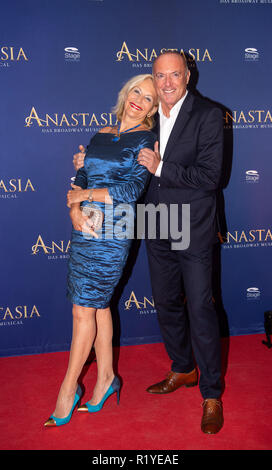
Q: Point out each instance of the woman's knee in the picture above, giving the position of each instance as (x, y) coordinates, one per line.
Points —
(83, 313)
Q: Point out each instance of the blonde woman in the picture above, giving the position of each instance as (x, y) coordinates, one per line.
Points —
(111, 176)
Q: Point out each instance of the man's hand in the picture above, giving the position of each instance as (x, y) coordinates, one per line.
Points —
(149, 158)
(78, 158)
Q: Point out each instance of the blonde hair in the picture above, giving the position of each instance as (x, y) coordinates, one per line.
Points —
(122, 96)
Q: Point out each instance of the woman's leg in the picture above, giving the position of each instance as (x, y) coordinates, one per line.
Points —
(104, 355)
(84, 333)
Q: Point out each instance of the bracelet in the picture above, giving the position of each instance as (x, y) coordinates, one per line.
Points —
(90, 197)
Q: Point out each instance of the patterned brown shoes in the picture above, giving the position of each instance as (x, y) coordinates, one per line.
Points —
(173, 381)
(212, 419)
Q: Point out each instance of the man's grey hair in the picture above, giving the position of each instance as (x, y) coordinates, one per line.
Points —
(173, 52)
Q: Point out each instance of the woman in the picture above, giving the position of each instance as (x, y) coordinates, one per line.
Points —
(111, 175)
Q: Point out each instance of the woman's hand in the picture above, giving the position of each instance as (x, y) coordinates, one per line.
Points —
(77, 218)
(81, 222)
(76, 195)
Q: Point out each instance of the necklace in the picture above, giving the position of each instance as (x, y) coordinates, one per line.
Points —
(117, 136)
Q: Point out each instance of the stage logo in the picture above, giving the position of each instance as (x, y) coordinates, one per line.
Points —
(71, 54)
(253, 293)
(11, 188)
(251, 54)
(53, 250)
(144, 306)
(252, 176)
(12, 316)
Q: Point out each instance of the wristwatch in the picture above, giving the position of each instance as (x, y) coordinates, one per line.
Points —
(90, 197)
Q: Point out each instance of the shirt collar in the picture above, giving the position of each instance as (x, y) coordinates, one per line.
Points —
(176, 108)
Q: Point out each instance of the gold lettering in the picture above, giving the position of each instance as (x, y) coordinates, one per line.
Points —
(93, 118)
(260, 233)
(28, 183)
(268, 234)
(268, 116)
(250, 115)
(110, 116)
(259, 113)
(34, 312)
(18, 311)
(12, 185)
(252, 235)
(4, 52)
(192, 53)
(60, 248)
(104, 119)
(152, 55)
(243, 236)
(2, 185)
(229, 235)
(206, 54)
(40, 244)
(64, 118)
(149, 302)
(8, 312)
(8, 53)
(132, 299)
(242, 116)
(74, 119)
(231, 116)
(83, 114)
(49, 118)
(33, 115)
(21, 52)
(124, 50)
(138, 53)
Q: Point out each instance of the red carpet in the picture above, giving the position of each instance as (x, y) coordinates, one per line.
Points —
(141, 421)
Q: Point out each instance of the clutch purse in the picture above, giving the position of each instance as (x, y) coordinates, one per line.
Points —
(95, 216)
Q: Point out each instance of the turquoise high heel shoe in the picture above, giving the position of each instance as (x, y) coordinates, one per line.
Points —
(54, 421)
(114, 387)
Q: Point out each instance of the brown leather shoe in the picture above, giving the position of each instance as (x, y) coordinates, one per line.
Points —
(173, 381)
(212, 419)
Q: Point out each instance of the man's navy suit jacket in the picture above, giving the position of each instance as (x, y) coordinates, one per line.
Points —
(191, 171)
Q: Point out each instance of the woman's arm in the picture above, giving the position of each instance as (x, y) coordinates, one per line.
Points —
(76, 196)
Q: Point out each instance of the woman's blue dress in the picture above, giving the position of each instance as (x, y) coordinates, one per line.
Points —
(96, 265)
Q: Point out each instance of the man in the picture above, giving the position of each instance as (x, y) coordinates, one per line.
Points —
(187, 170)
(185, 167)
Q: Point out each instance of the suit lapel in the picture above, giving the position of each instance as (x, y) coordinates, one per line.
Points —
(182, 119)
(156, 128)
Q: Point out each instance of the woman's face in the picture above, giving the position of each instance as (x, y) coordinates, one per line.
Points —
(141, 100)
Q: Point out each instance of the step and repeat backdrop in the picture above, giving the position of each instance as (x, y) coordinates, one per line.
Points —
(62, 64)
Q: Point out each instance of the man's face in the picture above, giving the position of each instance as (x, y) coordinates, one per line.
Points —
(170, 80)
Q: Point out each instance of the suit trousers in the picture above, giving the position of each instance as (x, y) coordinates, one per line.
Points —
(189, 328)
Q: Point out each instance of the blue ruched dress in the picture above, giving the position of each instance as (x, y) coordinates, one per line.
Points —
(96, 264)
